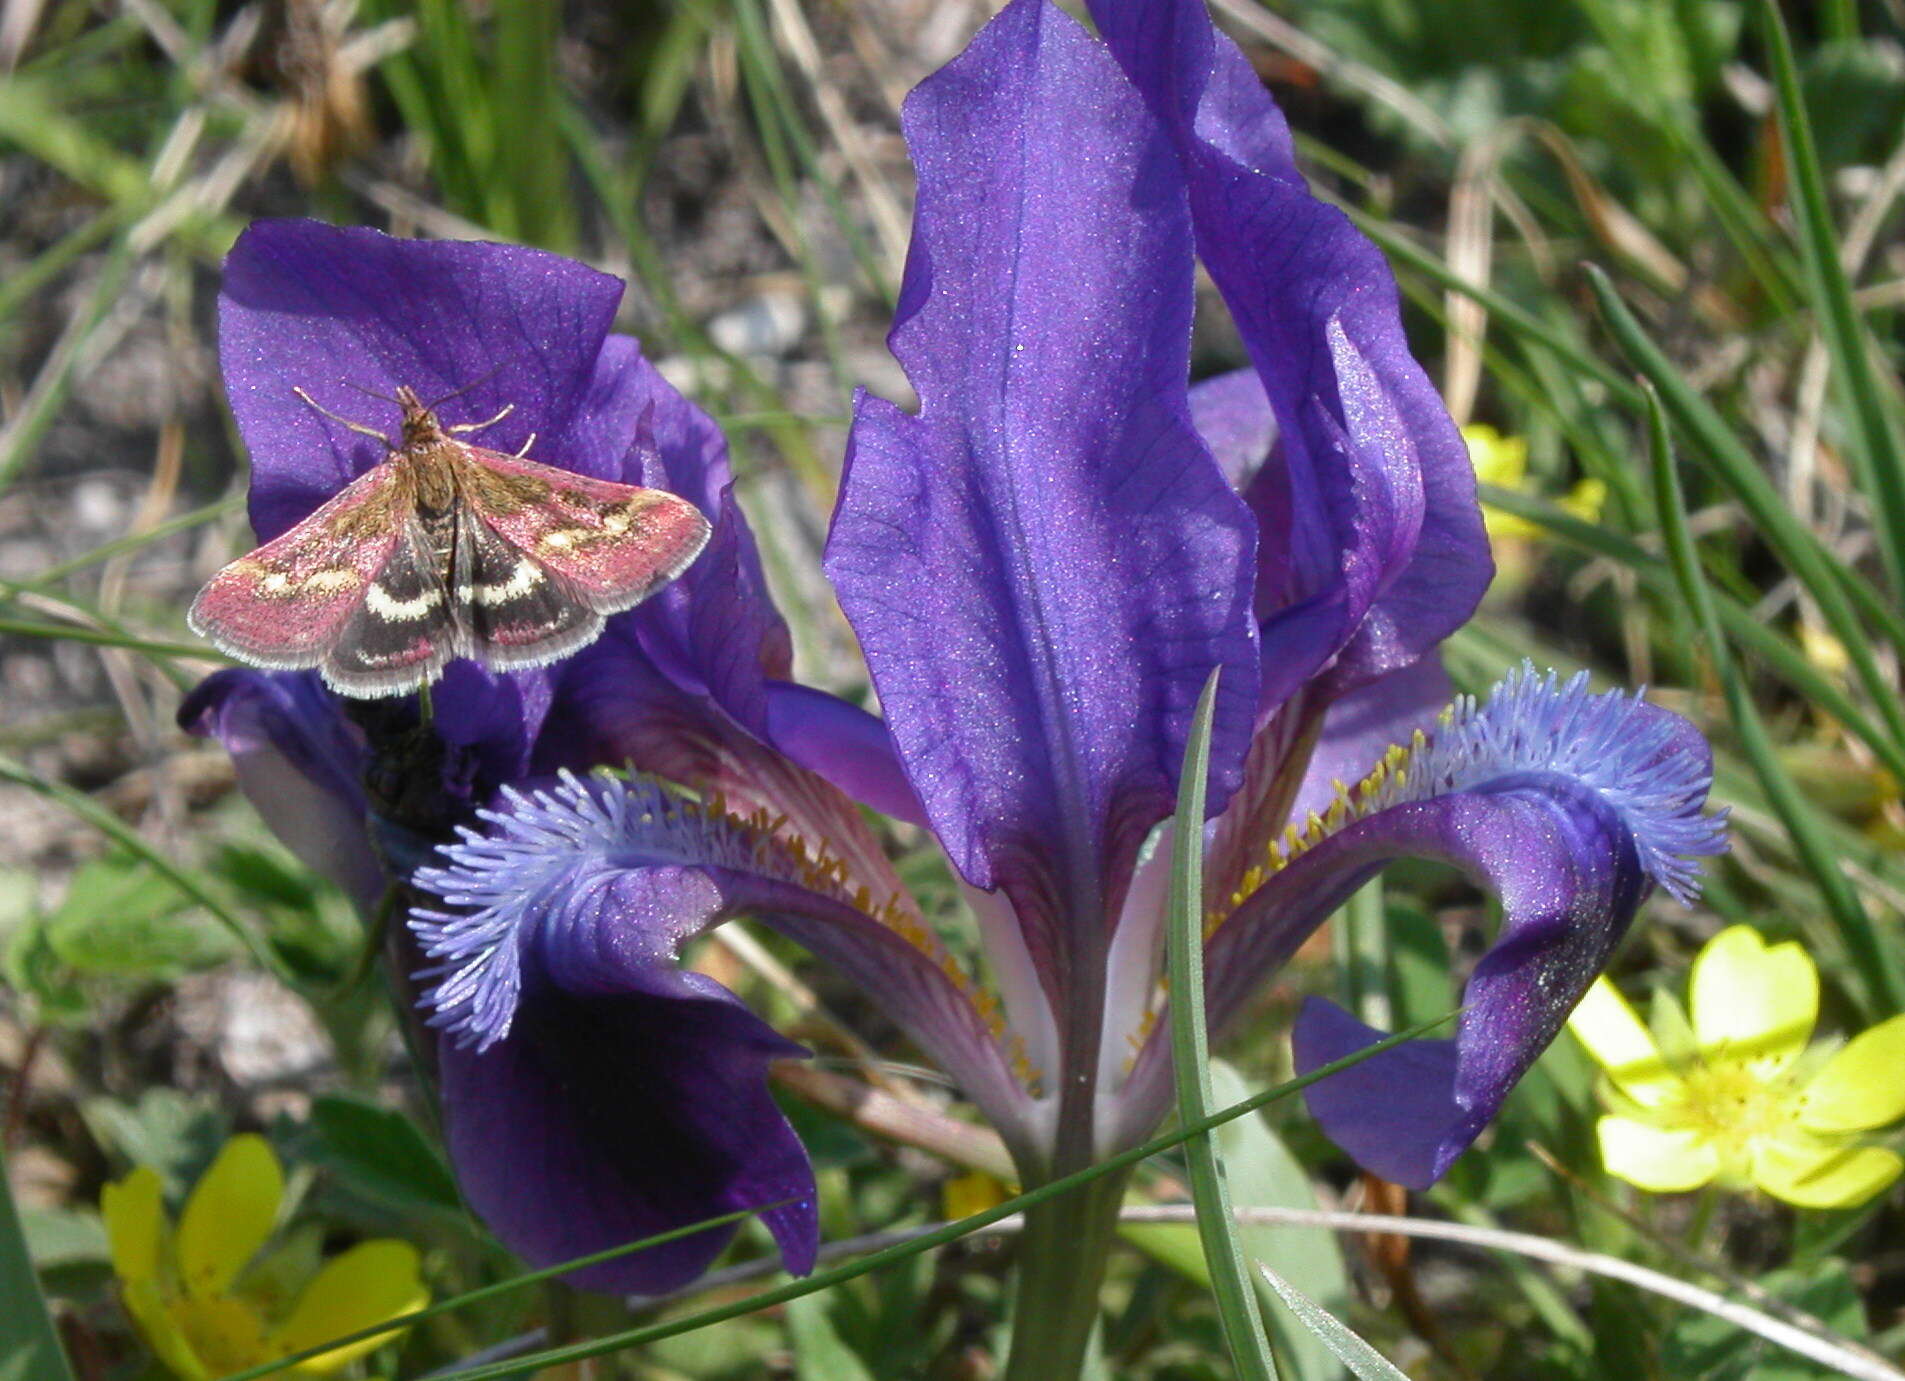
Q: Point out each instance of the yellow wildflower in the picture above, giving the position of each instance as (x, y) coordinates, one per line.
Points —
(204, 1313)
(1750, 1104)
(1503, 462)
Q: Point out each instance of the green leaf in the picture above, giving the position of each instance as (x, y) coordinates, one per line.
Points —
(1879, 961)
(1698, 1344)
(1231, 1283)
(819, 1352)
(1264, 1174)
(122, 919)
(32, 1350)
(380, 1153)
(1876, 446)
(1345, 1345)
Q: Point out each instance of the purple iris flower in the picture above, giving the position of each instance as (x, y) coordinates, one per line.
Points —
(1043, 567)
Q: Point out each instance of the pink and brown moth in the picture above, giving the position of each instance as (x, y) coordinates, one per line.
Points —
(445, 550)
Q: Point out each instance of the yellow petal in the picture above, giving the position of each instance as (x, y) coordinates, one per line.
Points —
(229, 1215)
(135, 1221)
(1861, 1087)
(1499, 460)
(1817, 1174)
(226, 1332)
(1658, 1159)
(1586, 500)
(1617, 1040)
(368, 1284)
(1753, 1001)
(161, 1331)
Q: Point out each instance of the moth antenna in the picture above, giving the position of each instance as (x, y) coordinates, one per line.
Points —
(461, 427)
(371, 393)
(357, 427)
(435, 403)
(526, 445)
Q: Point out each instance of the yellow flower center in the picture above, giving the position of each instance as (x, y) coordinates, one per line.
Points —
(1731, 1105)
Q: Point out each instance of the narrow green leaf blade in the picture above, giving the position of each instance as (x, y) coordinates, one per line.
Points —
(1349, 1347)
(1879, 964)
(1190, 1059)
(33, 1350)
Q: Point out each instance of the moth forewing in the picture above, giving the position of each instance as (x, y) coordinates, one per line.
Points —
(446, 550)
(283, 606)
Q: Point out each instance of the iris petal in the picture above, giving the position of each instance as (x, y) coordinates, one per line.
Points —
(299, 763)
(1568, 807)
(593, 1092)
(1045, 564)
(332, 311)
(1371, 528)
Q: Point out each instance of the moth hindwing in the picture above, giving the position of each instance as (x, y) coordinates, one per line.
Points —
(445, 550)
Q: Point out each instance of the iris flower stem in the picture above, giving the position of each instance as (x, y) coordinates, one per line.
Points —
(1061, 1268)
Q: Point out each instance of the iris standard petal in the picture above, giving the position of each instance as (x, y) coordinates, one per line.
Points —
(334, 311)
(1860, 1087)
(1567, 806)
(1661, 1160)
(1372, 485)
(1045, 564)
(1752, 1002)
(229, 1214)
(299, 763)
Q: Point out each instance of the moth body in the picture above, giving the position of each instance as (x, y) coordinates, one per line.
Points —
(442, 550)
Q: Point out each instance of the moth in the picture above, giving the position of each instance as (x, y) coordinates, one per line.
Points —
(442, 550)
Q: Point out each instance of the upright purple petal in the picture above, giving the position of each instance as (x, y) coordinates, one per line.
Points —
(1373, 493)
(1045, 564)
(299, 763)
(714, 632)
(338, 311)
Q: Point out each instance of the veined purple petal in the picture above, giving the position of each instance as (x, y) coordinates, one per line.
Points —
(1568, 806)
(1233, 415)
(566, 884)
(335, 311)
(843, 743)
(1045, 564)
(1374, 490)
(628, 1099)
(1359, 726)
(299, 763)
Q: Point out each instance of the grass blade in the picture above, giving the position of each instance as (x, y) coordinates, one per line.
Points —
(1728, 459)
(33, 1351)
(926, 1241)
(1350, 1349)
(1875, 443)
(1878, 964)
(1190, 1060)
